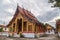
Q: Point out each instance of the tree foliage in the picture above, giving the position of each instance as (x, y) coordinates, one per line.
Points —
(1, 29)
(56, 3)
(43, 26)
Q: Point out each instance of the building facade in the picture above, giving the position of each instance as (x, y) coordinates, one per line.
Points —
(24, 22)
(3, 30)
(58, 26)
(49, 29)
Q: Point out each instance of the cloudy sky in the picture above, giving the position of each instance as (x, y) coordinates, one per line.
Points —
(40, 8)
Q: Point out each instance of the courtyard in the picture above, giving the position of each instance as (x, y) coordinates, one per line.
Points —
(49, 37)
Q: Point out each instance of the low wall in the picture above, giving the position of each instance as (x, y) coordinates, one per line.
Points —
(4, 33)
(31, 35)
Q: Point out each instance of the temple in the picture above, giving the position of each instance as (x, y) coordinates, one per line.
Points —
(58, 25)
(24, 22)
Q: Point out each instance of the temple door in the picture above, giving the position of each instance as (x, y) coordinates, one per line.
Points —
(19, 24)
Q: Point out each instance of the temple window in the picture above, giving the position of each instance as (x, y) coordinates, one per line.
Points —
(19, 24)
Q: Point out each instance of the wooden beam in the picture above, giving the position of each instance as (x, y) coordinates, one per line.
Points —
(27, 26)
(34, 28)
(22, 25)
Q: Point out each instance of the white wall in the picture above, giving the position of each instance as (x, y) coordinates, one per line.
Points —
(31, 35)
(51, 32)
(59, 34)
(5, 29)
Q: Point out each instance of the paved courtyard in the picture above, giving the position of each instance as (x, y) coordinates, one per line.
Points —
(50, 37)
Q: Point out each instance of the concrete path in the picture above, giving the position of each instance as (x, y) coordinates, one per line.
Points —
(50, 37)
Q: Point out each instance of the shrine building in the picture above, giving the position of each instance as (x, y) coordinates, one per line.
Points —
(24, 21)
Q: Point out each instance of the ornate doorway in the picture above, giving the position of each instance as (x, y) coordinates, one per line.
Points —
(19, 24)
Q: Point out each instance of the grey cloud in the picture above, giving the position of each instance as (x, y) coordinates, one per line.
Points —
(49, 15)
(4, 14)
(1, 22)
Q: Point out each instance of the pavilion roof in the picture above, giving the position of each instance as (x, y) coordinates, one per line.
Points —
(26, 14)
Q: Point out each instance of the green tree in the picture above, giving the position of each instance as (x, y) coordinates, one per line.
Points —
(1, 29)
(43, 26)
(56, 3)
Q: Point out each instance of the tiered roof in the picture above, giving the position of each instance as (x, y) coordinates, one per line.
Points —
(26, 14)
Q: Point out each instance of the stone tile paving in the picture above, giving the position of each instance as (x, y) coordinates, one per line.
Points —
(41, 38)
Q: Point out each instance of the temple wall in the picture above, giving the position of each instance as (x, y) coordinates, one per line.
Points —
(28, 23)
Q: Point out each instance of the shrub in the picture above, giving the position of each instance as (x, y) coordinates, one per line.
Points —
(1, 29)
(21, 35)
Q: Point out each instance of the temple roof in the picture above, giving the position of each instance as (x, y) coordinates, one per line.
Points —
(26, 14)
